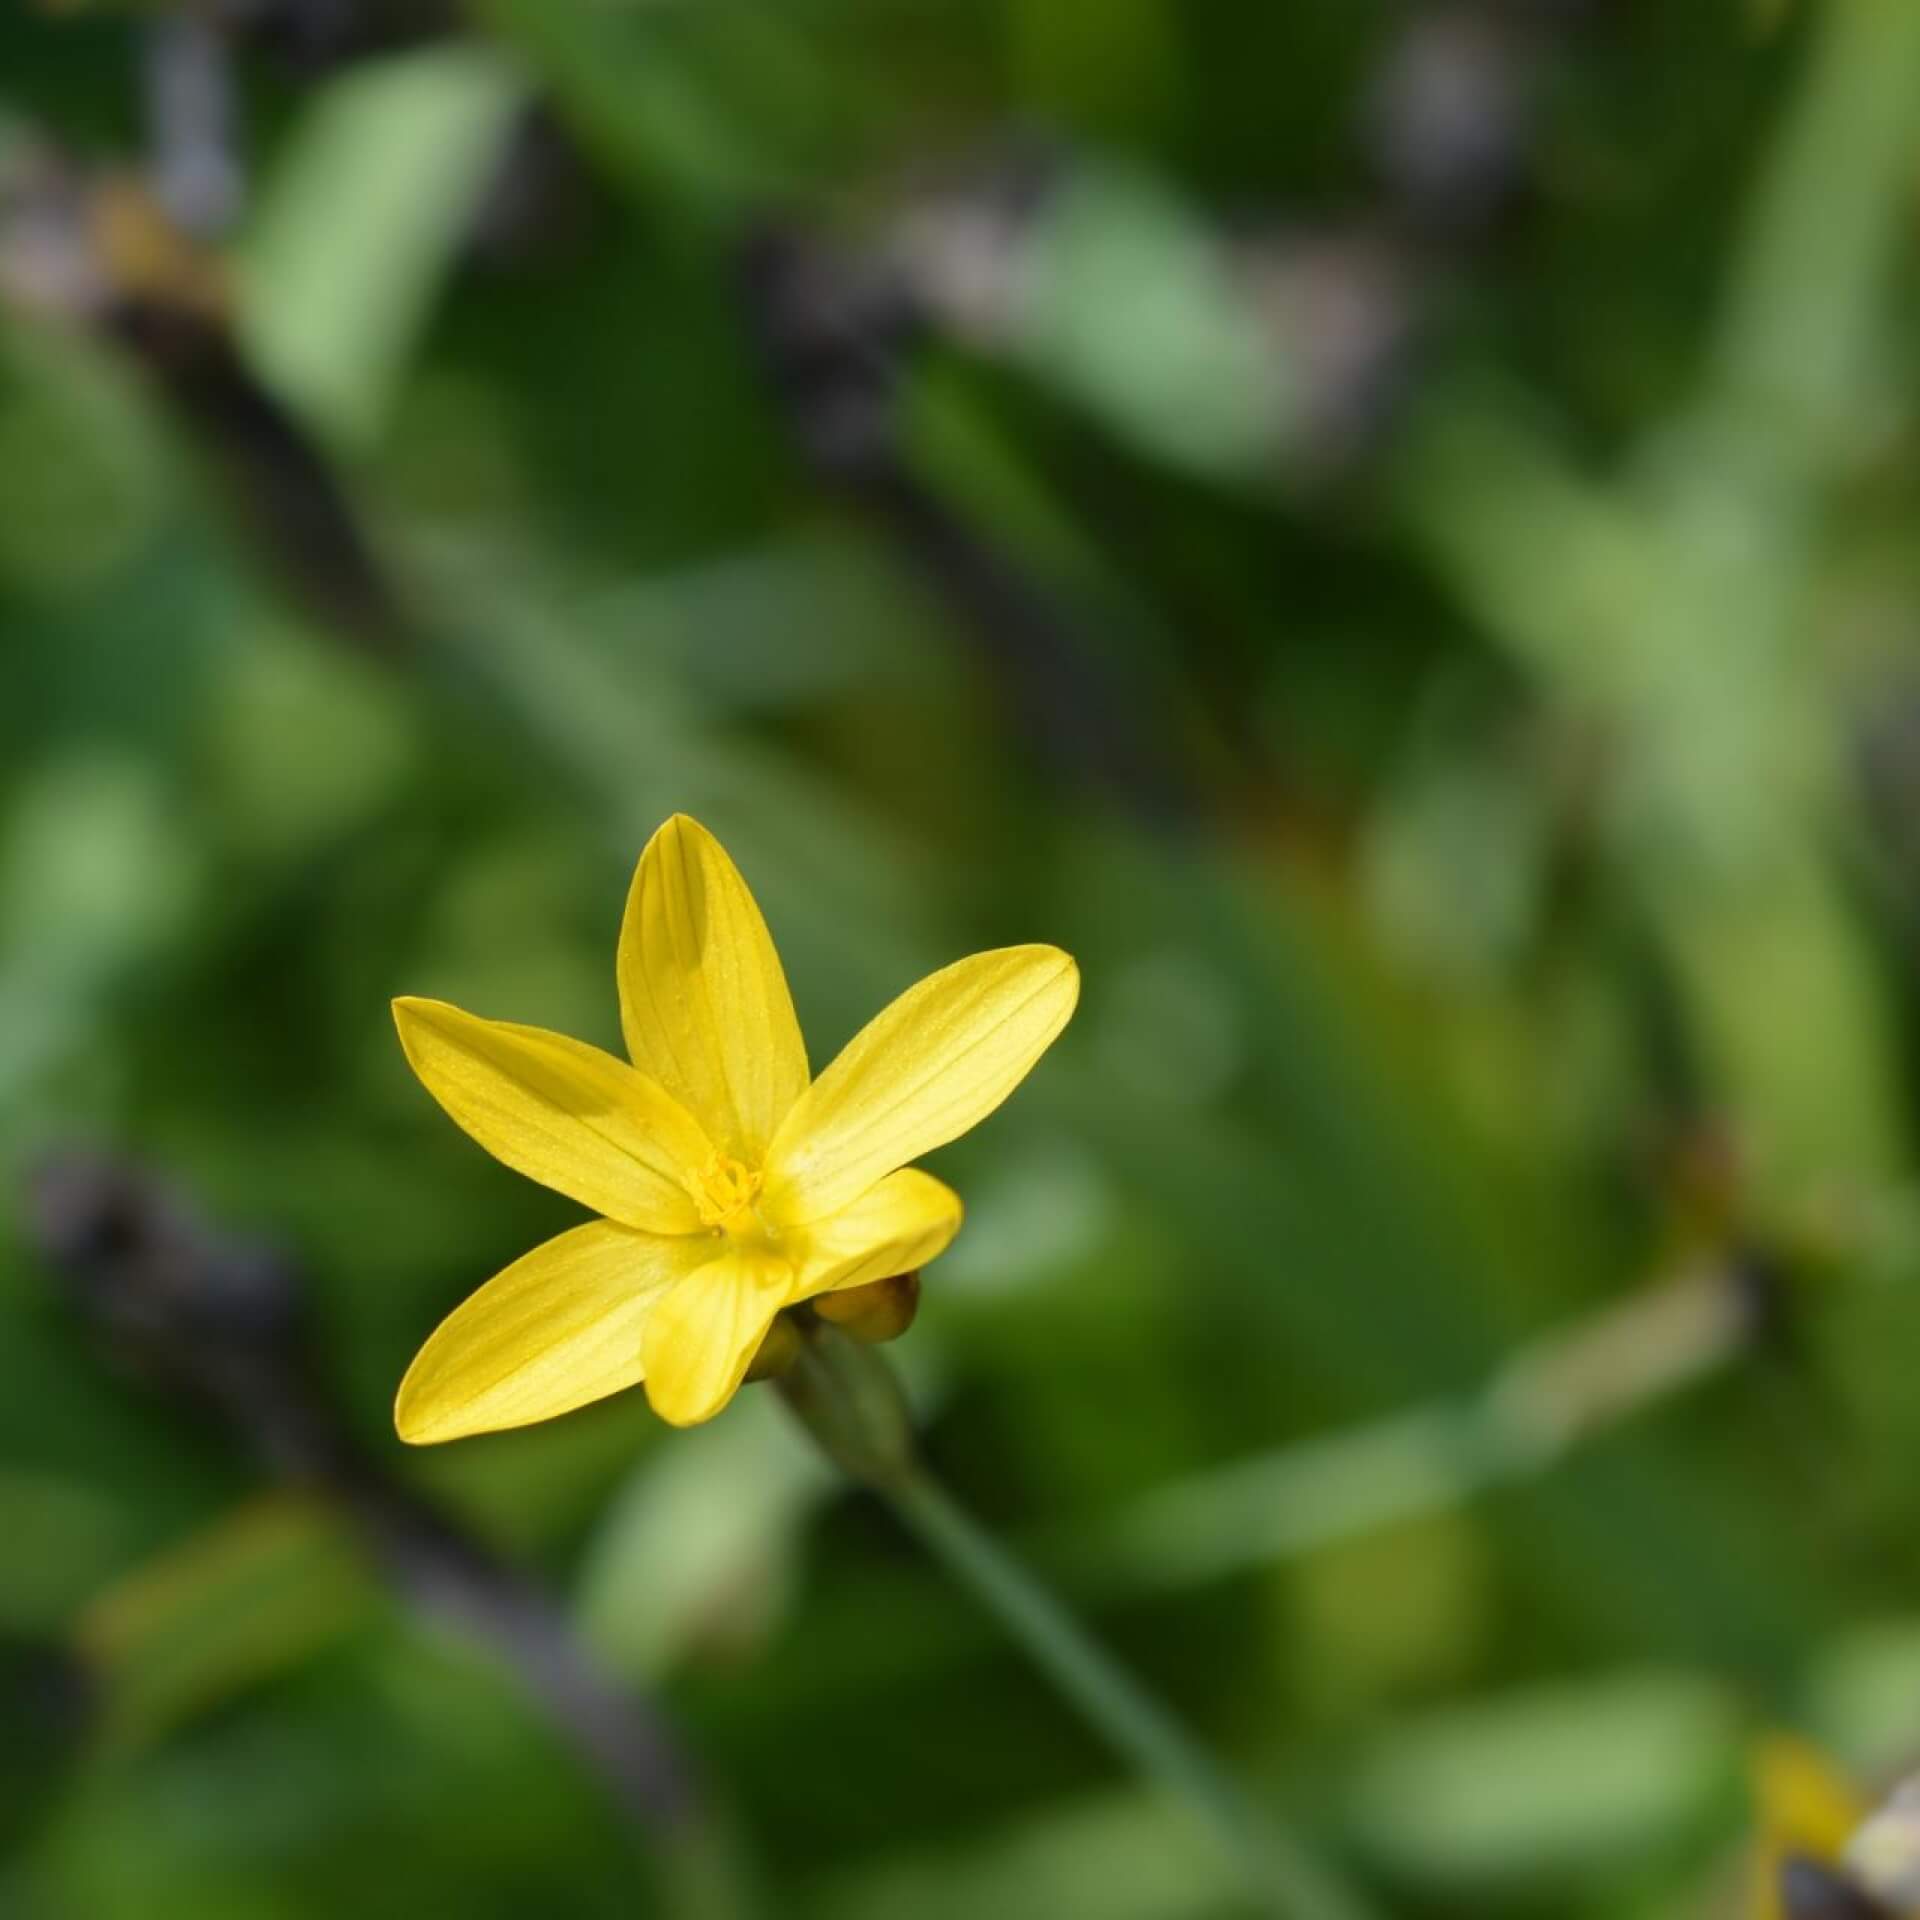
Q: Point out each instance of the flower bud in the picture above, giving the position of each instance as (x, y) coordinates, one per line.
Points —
(882, 1310)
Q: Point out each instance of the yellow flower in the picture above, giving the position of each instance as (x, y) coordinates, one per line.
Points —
(730, 1184)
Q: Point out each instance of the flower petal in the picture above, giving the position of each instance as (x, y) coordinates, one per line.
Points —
(933, 1064)
(701, 1336)
(702, 996)
(561, 1112)
(560, 1327)
(901, 1223)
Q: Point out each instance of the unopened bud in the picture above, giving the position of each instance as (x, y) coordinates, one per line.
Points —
(849, 1399)
(880, 1311)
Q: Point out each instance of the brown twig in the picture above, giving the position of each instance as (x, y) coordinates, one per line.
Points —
(220, 1321)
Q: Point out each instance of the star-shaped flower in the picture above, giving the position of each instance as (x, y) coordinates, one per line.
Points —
(730, 1185)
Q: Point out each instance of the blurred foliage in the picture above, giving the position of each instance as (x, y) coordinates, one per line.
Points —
(1387, 530)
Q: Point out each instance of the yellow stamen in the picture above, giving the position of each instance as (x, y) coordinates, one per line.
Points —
(724, 1190)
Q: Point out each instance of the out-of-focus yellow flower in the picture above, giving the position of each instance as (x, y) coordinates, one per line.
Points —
(731, 1186)
(1807, 1811)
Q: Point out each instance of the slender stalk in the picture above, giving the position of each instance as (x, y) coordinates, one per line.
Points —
(848, 1398)
(1277, 1867)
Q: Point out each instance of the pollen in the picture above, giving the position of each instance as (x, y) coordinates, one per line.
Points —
(724, 1190)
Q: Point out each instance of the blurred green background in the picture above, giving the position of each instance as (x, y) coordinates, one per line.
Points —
(1386, 530)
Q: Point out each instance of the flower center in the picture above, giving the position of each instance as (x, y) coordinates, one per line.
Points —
(724, 1191)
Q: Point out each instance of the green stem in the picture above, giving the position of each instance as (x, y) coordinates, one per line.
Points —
(1277, 1867)
(848, 1398)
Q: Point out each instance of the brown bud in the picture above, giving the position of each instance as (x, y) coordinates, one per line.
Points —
(882, 1310)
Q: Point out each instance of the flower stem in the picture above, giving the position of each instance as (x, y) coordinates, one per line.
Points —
(1276, 1866)
(847, 1397)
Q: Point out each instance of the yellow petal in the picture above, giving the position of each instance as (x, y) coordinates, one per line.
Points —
(561, 1112)
(903, 1222)
(702, 996)
(558, 1328)
(933, 1064)
(702, 1334)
